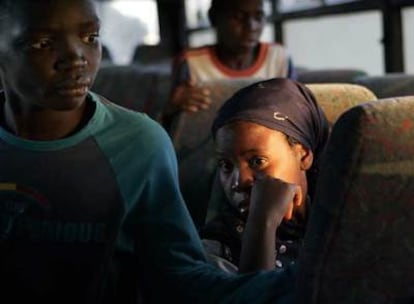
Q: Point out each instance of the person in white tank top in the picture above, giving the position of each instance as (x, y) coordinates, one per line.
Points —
(238, 53)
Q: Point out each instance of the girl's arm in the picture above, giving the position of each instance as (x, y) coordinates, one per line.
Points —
(271, 200)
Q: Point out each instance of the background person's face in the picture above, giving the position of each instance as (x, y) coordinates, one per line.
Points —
(240, 26)
(245, 149)
(52, 53)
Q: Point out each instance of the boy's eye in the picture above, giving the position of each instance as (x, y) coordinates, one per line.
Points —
(42, 44)
(260, 17)
(238, 16)
(224, 165)
(257, 162)
(90, 38)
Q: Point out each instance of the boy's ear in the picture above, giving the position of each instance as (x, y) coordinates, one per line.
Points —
(305, 156)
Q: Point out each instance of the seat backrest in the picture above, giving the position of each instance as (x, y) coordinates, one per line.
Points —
(131, 88)
(147, 54)
(389, 85)
(329, 75)
(359, 244)
(191, 136)
(153, 58)
(336, 98)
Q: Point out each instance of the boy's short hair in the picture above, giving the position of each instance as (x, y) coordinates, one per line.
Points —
(222, 5)
(217, 5)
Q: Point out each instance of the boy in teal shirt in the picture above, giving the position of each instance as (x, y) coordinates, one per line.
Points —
(90, 208)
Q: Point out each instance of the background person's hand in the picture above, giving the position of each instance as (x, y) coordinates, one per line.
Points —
(191, 98)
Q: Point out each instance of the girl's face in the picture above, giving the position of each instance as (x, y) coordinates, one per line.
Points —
(245, 150)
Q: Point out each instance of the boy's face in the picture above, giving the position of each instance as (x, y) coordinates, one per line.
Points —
(239, 25)
(51, 53)
(245, 150)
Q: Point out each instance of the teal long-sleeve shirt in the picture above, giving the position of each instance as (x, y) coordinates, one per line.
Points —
(98, 217)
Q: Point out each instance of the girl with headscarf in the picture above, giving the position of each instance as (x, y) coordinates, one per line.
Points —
(269, 138)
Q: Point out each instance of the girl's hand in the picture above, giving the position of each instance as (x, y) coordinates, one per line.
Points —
(274, 199)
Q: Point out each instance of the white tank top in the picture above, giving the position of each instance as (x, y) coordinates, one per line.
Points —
(204, 65)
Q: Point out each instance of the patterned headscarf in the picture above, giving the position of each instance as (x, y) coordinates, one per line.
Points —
(280, 104)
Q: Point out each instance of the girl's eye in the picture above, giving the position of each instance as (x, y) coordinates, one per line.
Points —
(91, 38)
(42, 44)
(257, 162)
(225, 166)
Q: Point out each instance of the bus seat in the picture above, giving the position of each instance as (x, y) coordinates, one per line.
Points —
(359, 244)
(191, 136)
(329, 75)
(132, 88)
(155, 58)
(336, 98)
(389, 85)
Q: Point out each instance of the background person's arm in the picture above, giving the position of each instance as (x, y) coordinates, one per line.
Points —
(185, 95)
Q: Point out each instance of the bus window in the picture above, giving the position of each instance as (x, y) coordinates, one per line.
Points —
(291, 5)
(408, 38)
(127, 24)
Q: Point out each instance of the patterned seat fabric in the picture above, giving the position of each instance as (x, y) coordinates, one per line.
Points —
(389, 85)
(195, 149)
(359, 245)
(329, 75)
(335, 99)
(133, 88)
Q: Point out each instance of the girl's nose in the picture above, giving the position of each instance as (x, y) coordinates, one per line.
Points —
(242, 179)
